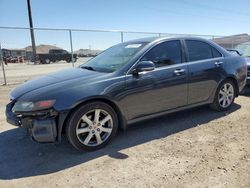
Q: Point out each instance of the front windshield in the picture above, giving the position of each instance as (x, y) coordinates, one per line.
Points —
(244, 49)
(114, 58)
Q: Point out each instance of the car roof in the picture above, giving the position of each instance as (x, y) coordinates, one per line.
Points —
(156, 39)
(153, 40)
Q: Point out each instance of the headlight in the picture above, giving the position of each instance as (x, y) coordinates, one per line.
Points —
(24, 106)
(11, 98)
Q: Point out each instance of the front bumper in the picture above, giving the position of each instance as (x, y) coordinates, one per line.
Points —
(10, 117)
(42, 124)
(248, 81)
(248, 76)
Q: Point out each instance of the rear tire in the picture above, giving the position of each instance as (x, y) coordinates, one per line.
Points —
(224, 96)
(47, 61)
(92, 126)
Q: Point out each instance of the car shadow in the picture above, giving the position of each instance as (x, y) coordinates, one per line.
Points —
(20, 157)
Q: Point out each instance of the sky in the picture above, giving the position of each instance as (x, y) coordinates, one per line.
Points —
(206, 17)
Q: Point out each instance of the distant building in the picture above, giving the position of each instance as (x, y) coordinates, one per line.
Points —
(230, 42)
(29, 55)
(13, 52)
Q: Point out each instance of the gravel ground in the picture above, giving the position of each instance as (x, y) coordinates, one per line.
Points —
(193, 148)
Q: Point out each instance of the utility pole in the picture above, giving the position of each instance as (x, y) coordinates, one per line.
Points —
(32, 32)
(2, 63)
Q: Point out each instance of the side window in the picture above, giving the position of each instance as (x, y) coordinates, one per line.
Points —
(216, 53)
(198, 50)
(166, 53)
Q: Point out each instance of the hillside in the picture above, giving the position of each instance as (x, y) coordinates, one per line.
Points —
(42, 48)
(87, 52)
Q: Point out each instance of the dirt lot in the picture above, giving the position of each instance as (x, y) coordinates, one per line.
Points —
(194, 148)
(17, 73)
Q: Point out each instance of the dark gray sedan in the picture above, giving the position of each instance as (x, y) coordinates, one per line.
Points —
(128, 82)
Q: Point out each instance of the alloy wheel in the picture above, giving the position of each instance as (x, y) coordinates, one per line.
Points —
(94, 127)
(226, 95)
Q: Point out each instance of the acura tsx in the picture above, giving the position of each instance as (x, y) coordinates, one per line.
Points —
(126, 83)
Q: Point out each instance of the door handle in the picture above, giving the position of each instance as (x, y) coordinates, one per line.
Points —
(179, 71)
(218, 63)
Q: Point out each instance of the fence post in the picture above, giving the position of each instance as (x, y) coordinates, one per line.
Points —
(121, 36)
(71, 48)
(2, 63)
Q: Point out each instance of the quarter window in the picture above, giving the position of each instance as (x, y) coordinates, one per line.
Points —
(198, 50)
(166, 53)
(216, 53)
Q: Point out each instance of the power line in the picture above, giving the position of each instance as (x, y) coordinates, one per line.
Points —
(215, 8)
(170, 11)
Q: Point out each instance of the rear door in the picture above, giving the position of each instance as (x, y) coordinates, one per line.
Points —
(205, 66)
(161, 89)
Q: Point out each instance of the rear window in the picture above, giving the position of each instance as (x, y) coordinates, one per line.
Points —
(198, 50)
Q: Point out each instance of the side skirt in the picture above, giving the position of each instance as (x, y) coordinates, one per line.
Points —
(166, 112)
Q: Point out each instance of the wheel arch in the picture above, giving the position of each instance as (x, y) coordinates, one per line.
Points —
(230, 77)
(122, 123)
(234, 80)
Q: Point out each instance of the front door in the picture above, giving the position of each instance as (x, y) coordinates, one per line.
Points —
(161, 89)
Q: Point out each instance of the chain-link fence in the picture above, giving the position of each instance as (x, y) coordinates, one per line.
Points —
(17, 62)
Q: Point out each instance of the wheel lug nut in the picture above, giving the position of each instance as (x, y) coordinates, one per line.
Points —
(93, 132)
(98, 130)
(90, 127)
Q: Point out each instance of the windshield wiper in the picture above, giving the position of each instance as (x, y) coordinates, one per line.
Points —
(88, 68)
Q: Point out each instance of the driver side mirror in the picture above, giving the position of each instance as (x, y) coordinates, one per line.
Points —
(144, 66)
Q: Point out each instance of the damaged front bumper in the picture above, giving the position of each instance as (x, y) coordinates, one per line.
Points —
(41, 124)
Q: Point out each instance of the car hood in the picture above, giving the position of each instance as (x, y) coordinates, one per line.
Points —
(55, 78)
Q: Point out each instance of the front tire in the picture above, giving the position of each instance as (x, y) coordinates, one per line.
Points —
(92, 126)
(69, 60)
(224, 96)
